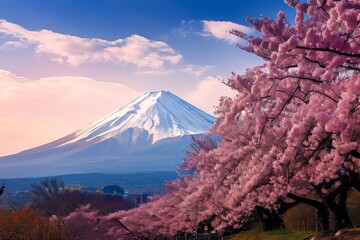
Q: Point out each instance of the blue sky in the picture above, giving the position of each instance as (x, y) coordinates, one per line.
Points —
(68, 62)
(111, 19)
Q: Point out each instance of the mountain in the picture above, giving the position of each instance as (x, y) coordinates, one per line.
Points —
(151, 133)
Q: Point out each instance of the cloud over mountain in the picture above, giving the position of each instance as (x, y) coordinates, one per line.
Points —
(210, 86)
(135, 49)
(31, 108)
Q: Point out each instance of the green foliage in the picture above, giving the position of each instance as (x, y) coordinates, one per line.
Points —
(257, 234)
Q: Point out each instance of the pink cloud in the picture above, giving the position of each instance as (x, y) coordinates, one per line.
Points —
(34, 112)
(135, 49)
(207, 94)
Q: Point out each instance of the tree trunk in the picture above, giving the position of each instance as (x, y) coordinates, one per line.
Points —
(339, 213)
(270, 220)
(205, 225)
(322, 213)
(322, 219)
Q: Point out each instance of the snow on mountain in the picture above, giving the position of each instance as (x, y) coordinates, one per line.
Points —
(161, 114)
(150, 133)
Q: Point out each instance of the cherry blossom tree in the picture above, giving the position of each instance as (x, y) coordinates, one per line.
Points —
(309, 89)
(85, 223)
(290, 135)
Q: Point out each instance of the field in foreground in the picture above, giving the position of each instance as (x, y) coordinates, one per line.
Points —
(257, 234)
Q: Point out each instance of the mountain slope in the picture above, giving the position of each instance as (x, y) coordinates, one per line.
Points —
(150, 133)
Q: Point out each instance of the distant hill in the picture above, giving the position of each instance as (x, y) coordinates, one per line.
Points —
(134, 183)
(112, 189)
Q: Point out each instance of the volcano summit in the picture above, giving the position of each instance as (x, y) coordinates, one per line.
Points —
(151, 133)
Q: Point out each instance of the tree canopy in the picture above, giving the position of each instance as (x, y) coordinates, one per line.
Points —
(290, 135)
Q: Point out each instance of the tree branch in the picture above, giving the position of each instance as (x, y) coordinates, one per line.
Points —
(121, 224)
(311, 202)
(354, 153)
(299, 77)
(357, 55)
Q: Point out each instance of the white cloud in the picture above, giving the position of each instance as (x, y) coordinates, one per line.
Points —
(208, 92)
(196, 70)
(8, 79)
(13, 45)
(155, 72)
(221, 30)
(135, 49)
(34, 112)
(186, 28)
(190, 69)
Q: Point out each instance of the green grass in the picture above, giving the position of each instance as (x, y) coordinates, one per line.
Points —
(257, 234)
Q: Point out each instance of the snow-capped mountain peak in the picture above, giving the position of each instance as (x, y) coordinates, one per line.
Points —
(151, 117)
(150, 133)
